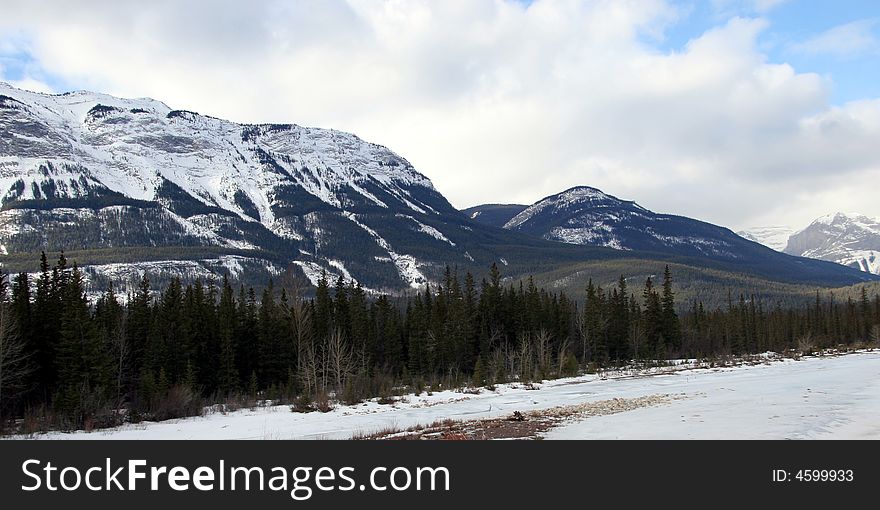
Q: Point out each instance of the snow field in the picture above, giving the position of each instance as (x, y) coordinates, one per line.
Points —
(813, 398)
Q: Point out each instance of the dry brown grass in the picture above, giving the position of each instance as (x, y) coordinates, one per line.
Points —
(519, 425)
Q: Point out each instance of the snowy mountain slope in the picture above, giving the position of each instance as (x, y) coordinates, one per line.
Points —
(85, 171)
(584, 215)
(587, 216)
(846, 238)
(772, 237)
(132, 147)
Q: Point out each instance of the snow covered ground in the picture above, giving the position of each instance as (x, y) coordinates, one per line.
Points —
(815, 398)
(824, 397)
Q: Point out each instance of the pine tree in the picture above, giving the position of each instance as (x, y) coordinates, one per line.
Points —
(864, 314)
(81, 360)
(113, 337)
(21, 317)
(652, 319)
(15, 362)
(618, 341)
(227, 375)
(479, 373)
(671, 328)
(168, 346)
(323, 308)
(46, 313)
(271, 362)
(139, 322)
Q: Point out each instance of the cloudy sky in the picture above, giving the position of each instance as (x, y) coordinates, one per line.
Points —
(739, 112)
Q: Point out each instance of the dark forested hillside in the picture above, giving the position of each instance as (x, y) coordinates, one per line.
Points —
(67, 363)
(494, 215)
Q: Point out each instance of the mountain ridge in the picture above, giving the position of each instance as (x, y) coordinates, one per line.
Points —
(849, 239)
(130, 184)
(210, 181)
(584, 215)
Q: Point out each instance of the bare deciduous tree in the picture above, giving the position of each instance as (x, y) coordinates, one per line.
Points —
(806, 343)
(308, 366)
(496, 365)
(430, 349)
(340, 358)
(561, 355)
(510, 359)
(583, 332)
(636, 339)
(543, 352)
(601, 332)
(525, 358)
(301, 319)
(121, 352)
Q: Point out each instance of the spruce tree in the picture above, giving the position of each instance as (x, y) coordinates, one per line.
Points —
(81, 361)
(671, 329)
(652, 319)
(46, 313)
(227, 374)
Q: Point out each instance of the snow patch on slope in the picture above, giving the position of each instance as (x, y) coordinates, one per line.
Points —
(407, 265)
(427, 229)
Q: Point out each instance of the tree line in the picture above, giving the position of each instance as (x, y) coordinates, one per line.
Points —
(68, 363)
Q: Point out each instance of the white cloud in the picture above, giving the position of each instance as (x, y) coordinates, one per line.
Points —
(493, 101)
(30, 84)
(848, 40)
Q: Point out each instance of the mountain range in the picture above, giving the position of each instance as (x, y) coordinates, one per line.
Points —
(849, 239)
(587, 216)
(128, 186)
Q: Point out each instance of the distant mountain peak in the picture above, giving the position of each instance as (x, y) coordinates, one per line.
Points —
(847, 218)
(775, 237)
(848, 238)
(580, 197)
(851, 239)
(589, 216)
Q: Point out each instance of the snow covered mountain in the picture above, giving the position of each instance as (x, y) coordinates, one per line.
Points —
(846, 238)
(771, 237)
(849, 239)
(87, 171)
(586, 216)
(132, 186)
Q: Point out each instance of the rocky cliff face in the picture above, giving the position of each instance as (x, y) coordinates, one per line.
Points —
(849, 239)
